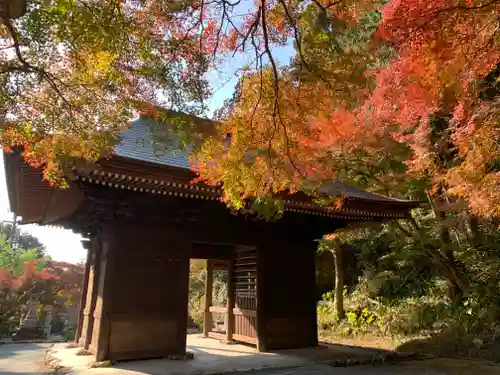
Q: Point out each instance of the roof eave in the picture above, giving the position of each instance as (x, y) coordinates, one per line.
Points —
(393, 201)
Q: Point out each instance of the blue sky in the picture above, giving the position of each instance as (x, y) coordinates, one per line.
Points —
(65, 245)
(225, 78)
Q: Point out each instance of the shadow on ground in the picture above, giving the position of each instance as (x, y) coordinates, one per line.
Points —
(451, 344)
(12, 350)
(22, 359)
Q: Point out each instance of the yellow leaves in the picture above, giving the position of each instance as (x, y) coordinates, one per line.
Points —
(93, 66)
(3, 31)
(264, 156)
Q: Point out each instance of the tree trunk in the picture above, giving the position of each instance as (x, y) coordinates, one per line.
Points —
(457, 282)
(457, 285)
(474, 233)
(339, 281)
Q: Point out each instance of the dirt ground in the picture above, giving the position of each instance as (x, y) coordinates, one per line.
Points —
(367, 341)
(448, 351)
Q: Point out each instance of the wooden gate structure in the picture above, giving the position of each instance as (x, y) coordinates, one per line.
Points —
(240, 312)
(143, 220)
(244, 279)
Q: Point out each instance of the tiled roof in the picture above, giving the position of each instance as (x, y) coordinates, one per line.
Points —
(137, 144)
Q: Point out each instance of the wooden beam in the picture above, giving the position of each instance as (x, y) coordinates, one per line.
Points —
(207, 315)
(230, 302)
(199, 250)
(218, 309)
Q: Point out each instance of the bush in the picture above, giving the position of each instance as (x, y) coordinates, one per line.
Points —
(69, 334)
(196, 305)
(460, 327)
(196, 309)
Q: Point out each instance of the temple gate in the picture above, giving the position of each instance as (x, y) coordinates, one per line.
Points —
(143, 221)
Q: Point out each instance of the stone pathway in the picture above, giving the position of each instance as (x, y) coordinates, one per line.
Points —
(22, 359)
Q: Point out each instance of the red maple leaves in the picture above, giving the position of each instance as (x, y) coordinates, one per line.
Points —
(29, 276)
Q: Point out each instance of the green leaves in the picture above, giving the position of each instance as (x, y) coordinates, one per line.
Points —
(268, 207)
(78, 69)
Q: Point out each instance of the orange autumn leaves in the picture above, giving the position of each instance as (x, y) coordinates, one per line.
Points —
(274, 145)
(446, 49)
(443, 51)
(70, 89)
(369, 93)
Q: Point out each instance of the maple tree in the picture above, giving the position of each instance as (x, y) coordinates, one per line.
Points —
(25, 273)
(432, 90)
(377, 92)
(407, 108)
(301, 130)
(21, 275)
(72, 74)
(392, 100)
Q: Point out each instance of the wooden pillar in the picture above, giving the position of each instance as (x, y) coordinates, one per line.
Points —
(101, 332)
(83, 297)
(90, 300)
(261, 315)
(230, 301)
(310, 270)
(209, 281)
(183, 285)
(288, 294)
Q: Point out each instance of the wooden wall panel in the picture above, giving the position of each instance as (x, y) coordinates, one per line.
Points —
(148, 313)
(245, 294)
(289, 295)
(143, 336)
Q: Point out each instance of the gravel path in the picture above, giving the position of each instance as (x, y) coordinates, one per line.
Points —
(22, 359)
